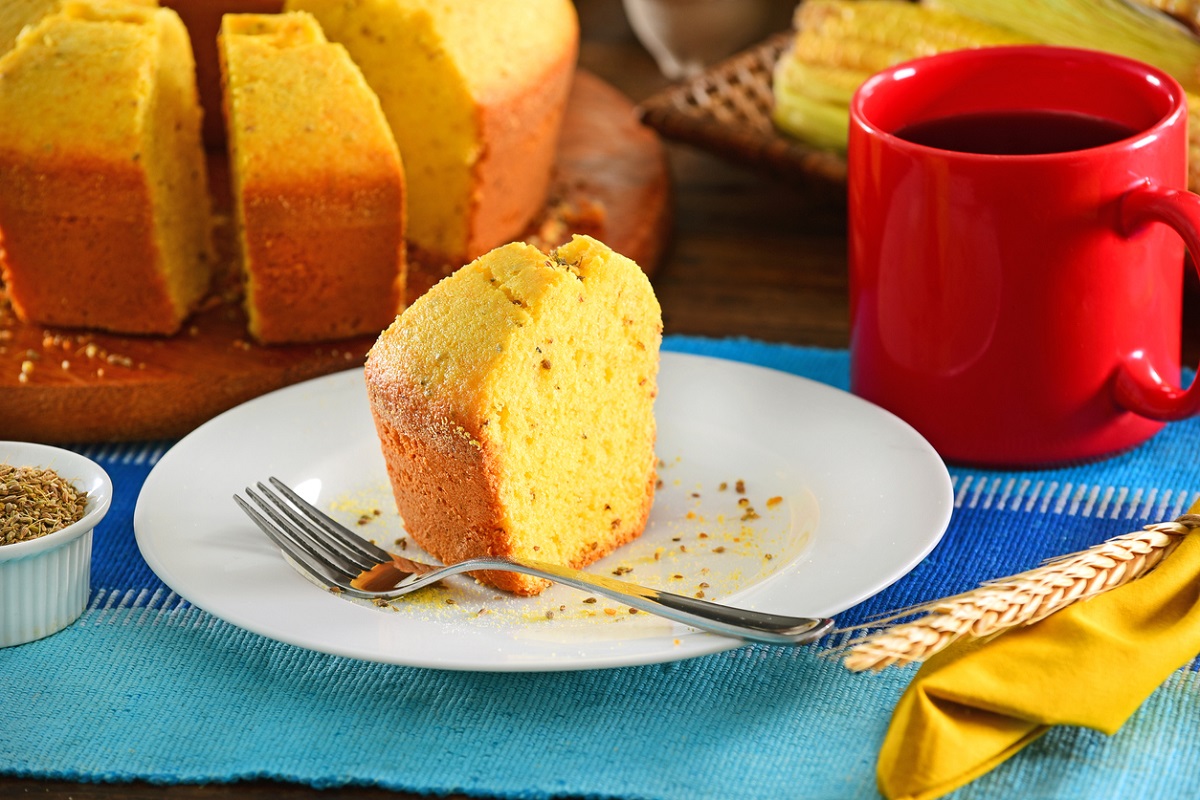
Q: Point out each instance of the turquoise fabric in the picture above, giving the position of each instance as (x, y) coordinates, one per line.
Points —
(145, 686)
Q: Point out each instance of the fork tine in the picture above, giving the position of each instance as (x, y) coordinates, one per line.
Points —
(304, 534)
(341, 532)
(314, 566)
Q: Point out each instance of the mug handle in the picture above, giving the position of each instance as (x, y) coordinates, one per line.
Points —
(1137, 385)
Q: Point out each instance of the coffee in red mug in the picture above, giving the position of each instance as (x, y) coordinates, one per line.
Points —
(1017, 221)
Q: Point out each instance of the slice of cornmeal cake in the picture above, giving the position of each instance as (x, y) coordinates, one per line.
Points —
(104, 207)
(318, 183)
(514, 404)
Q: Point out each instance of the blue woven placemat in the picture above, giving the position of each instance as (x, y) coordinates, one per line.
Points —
(145, 686)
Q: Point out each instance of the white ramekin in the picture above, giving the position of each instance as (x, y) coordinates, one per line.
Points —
(44, 582)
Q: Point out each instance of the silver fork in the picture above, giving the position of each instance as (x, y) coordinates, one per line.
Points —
(335, 557)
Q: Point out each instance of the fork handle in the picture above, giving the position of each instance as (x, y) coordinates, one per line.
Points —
(753, 626)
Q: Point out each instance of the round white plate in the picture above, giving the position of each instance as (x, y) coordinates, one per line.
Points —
(818, 470)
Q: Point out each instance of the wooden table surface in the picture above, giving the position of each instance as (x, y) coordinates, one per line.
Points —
(750, 256)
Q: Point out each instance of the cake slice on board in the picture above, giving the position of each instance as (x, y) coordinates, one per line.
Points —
(318, 183)
(104, 207)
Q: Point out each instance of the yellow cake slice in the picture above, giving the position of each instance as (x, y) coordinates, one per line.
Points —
(317, 180)
(475, 93)
(104, 209)
(514, 406)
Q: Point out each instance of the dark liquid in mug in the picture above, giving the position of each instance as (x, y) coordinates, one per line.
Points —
(1016, 133)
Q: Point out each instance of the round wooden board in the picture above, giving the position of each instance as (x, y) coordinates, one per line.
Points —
(611, 182)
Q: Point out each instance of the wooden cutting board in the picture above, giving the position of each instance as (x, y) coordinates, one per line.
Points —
(80, 386)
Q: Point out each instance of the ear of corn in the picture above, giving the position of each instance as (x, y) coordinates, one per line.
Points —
(814, 110)
(839, 43)
(1117, 26)
(891, 29)
(827, 84)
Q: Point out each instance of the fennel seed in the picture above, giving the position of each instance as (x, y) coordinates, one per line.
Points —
(36, 501)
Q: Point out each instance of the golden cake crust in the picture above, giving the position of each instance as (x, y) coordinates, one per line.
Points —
(520, 125)
(99, 270)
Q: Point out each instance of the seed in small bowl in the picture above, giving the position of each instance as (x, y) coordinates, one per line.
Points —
(35, 501)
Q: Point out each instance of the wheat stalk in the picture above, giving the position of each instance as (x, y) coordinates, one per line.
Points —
(1017, 600)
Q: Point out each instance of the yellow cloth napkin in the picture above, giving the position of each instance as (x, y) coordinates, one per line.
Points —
(1092, 664)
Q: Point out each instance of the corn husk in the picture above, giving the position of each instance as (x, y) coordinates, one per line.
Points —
(840, 43)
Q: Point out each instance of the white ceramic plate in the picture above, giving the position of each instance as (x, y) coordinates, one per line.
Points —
(819, 469)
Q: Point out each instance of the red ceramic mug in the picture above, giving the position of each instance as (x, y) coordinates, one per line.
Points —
(1021, 307)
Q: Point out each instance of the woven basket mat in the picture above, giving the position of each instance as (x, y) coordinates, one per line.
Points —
(727, 111)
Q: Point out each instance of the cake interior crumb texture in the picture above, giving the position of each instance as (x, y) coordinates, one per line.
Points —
(514, 404)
